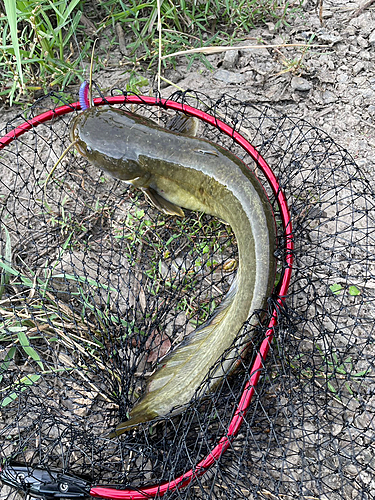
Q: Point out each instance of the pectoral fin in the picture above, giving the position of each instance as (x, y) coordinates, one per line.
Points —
(187, 125)
(162, 204)
(140, 181)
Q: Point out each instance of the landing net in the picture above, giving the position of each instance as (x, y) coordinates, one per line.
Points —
(97, 286)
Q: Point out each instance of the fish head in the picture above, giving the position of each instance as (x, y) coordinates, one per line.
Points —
(104, 137)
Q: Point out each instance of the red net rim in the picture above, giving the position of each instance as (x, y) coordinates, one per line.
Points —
(256, 369)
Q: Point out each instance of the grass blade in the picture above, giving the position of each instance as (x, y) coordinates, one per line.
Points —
(4, 274)
(10, 9)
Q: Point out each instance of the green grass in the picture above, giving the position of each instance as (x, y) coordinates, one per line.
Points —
(39, 36)
(338, 374)
(44, 42)
(194, 236)
(46, 324)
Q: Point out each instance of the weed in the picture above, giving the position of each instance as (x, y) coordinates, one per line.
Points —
(44, 43)
(336, 289)
(331, 368)
(39, 36)
(34, 331)
(294, 65)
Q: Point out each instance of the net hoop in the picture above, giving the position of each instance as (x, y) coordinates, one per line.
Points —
(223, 444)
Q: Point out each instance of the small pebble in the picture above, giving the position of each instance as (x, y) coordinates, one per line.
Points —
(326, 76)
(362, 42)
(229, 76)
(368, 94)
(327, 14)
(359, 66)
(342, 77)
(365, 55)
(300, 84)
(325, 37)
(328, 97)
(271, 27)
(372, 38)
(230, 59)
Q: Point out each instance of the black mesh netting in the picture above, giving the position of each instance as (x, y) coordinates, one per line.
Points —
(96, 286)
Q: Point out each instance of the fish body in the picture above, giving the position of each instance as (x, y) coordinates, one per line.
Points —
(175, 170)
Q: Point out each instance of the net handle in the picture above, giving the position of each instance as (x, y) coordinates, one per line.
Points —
(258, 364)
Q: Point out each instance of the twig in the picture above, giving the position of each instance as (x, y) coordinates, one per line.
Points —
(159, 44)
(320, 5)
(217, 50)
(121, 39)
(359, 11)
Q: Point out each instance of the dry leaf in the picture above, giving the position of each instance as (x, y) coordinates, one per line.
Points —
(158, 345)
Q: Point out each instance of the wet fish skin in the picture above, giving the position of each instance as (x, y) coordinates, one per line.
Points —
(175, 170)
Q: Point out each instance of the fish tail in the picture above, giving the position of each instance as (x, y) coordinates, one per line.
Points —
(148, 408)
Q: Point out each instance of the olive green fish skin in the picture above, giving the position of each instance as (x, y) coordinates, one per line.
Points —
(198, 175)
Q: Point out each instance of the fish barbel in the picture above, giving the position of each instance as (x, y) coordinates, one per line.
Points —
(177, 170)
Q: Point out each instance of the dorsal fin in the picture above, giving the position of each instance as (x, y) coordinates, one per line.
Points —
(184, 124)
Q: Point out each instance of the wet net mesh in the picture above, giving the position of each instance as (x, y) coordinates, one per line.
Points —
(97, 286)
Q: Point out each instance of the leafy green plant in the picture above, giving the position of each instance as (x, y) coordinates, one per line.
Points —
(22, 384)
(136, 82)
(345, 369)
(336, 289)
(38, 36)
(332, 369)
(354, 291)
(44, 42)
